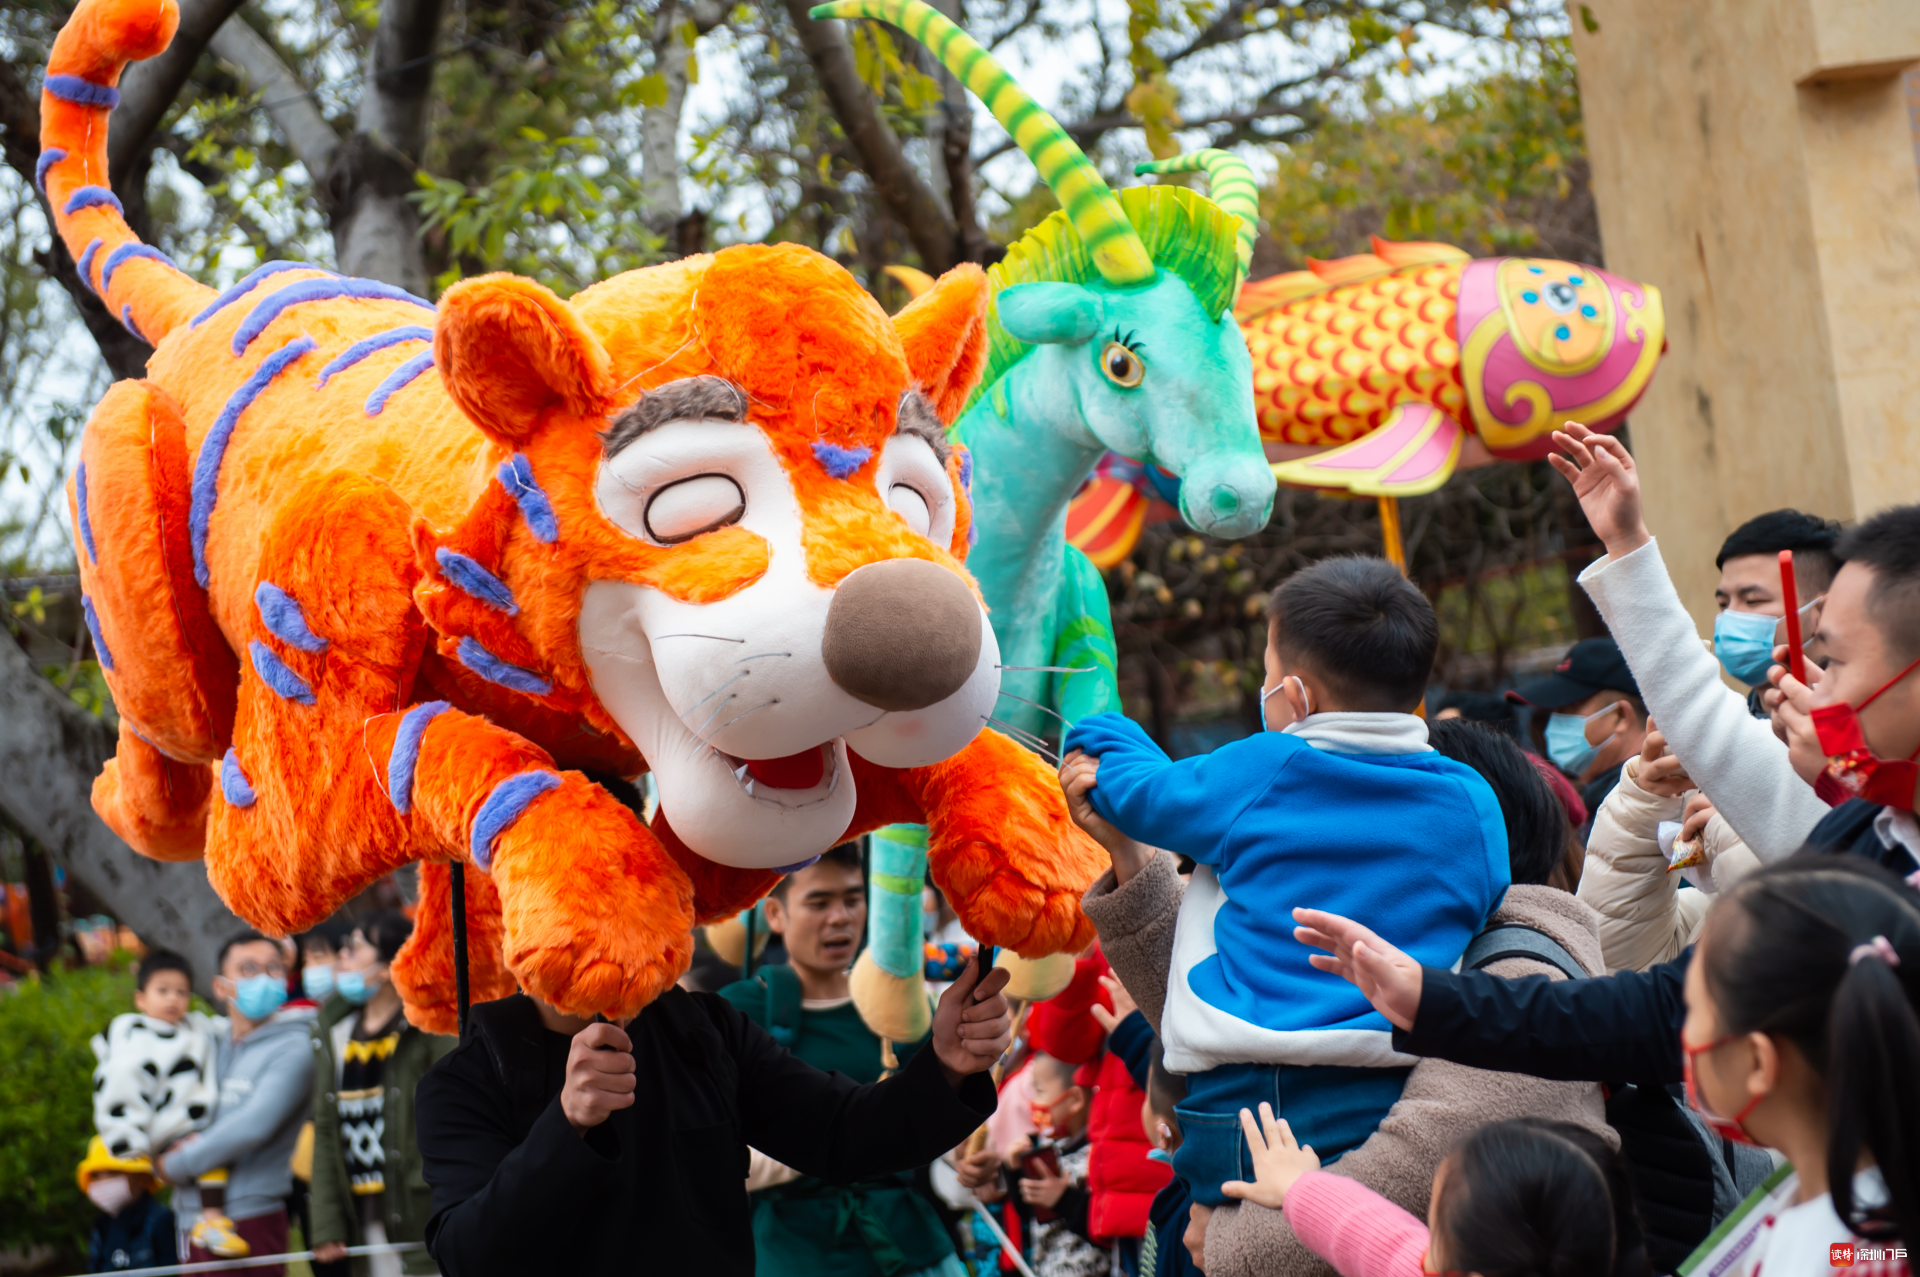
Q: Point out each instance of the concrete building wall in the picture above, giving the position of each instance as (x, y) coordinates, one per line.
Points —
(1759, 161)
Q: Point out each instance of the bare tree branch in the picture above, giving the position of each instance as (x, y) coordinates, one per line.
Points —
(50, 751)
(287, 102)
(907, 197)
(148, 89)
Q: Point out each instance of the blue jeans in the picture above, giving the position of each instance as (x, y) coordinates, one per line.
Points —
(1330, 1106)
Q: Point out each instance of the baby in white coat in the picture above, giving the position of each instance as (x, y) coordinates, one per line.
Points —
(154, 1085)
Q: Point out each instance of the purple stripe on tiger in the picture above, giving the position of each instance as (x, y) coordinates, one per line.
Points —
(48, 158)
(71, 88)
(369, 345)
(93, 628)
(234, 785)
(270, 307)
(86, 519)
(396, 381)
(206, 466)
(126, 253)
(92, 197)
(246, 286)
(86, 265)
(509, 799)
(126, 322)
(406, 752)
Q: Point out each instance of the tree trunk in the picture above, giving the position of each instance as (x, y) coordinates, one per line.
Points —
(661, 208)
(951, 134)
(50, 751)
(908, 198)
(287, 102)
(376, 230)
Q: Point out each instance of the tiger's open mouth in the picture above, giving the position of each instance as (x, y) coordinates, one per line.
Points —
(796, 781)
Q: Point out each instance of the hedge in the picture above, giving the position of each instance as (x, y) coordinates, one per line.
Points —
(46, 1109)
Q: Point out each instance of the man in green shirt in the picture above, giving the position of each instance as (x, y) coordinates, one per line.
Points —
(805, 1227)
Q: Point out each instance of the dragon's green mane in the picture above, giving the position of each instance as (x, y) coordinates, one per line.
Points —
(1185, 233)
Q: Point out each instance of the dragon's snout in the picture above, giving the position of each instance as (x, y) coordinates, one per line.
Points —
(902, 634)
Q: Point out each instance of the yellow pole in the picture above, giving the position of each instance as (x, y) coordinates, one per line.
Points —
(1390, 532)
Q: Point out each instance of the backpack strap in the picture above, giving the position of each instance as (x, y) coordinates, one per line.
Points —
(1512, 940)
(782, 984)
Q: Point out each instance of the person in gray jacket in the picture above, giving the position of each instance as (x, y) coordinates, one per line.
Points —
(265, 1066)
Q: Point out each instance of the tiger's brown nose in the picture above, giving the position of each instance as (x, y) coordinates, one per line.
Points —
(902, 634)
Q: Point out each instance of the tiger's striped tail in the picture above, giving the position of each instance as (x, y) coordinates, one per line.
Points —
(146, 291)
(1090, 204)
(1230, 184)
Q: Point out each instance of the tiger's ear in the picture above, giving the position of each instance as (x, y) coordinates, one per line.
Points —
(944, 334)
(511, 353)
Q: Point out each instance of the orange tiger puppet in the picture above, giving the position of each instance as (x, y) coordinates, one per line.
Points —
(376, 581)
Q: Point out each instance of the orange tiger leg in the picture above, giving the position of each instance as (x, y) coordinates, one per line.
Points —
(999, 842)
(423, 970)
(158, 806)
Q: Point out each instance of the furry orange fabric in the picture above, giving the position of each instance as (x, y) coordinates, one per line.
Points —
(382, 534)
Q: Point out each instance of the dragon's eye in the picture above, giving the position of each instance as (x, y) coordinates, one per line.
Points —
(1122, 366)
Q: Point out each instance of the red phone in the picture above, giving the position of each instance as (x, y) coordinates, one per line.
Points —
(1790, 595)
(1030, 1168)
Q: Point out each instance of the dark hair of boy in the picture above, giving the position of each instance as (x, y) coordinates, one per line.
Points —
(386, 931)
(1538, 835)
(1889, 543)
(846, 855)
(331, 933)
(239, 938)
(1361, 627)
(1164, 1089)
(1781, 961)
(1519, 1199)
(1810, 537)
(156, 961)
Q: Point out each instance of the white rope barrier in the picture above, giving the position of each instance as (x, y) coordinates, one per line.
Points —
(262, 1261)
(1013, 1252)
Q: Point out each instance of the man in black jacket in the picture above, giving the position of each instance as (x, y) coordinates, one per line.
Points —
(556, 1145)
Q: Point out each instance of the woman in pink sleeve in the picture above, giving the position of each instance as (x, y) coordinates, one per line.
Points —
(1522, 1197)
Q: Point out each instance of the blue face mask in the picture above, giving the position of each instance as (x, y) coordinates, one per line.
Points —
(1269, 691)
(1744, 643)
(259, 996)
(1567, 741)
(353, 986)
(317, 980)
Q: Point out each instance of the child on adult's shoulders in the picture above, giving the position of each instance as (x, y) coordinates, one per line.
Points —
(1340, 798)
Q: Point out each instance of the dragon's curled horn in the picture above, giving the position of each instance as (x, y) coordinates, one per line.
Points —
(1117, 251)
(1230, 184)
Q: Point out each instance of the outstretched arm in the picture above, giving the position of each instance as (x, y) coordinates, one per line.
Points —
(1186, 807)
(1623, 1027)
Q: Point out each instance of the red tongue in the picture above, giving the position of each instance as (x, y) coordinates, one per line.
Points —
(796, 771)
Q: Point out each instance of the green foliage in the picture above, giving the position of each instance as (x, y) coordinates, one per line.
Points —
(46, 1108)
(1496, 166)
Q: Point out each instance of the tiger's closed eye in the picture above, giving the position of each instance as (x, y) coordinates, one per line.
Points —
(683, 510)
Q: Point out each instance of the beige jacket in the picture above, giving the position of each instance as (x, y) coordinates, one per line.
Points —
(1442, 1101)
(1646, 914)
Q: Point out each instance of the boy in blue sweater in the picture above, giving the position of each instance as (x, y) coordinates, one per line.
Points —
(1341, 799)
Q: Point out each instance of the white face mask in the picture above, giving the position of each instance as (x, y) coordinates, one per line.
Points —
(111, 1193)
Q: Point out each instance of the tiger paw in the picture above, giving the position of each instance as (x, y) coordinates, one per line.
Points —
(597, 918)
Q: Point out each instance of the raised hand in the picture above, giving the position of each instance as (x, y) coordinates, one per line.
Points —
(1123, 1004)
(1278, 1160)
(1389, 978)
(1607, 484)
(1079, 773)
(1659, 772)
